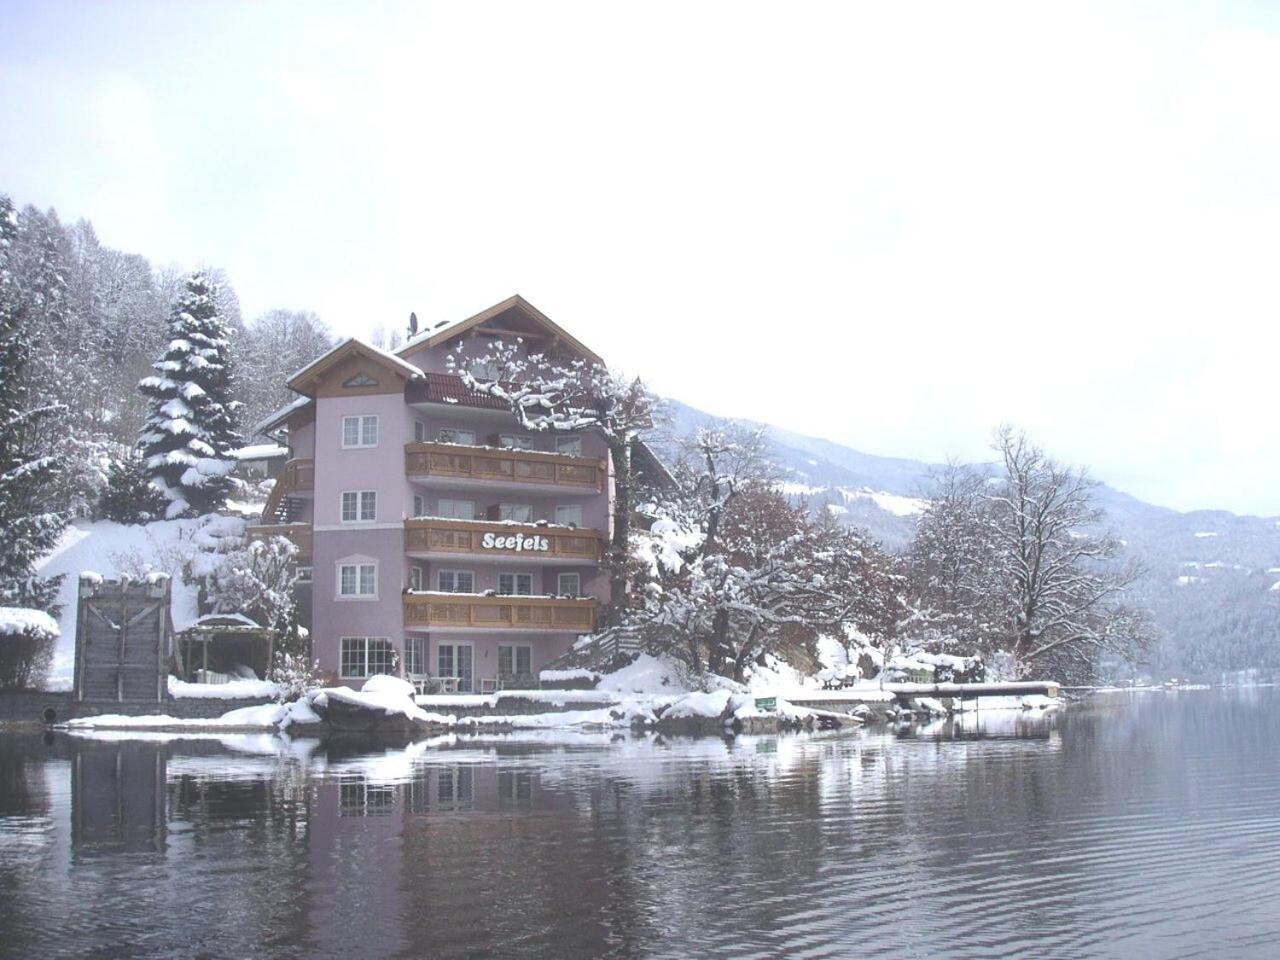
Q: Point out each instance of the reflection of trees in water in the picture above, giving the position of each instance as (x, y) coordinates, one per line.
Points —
(26, 831)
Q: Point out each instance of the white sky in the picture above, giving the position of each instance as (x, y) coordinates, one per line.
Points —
(893, 225)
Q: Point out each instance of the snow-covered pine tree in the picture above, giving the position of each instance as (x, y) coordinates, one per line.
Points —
(192, 423)
(28, 528)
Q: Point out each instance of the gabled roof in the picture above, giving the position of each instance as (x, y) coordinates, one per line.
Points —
(449, 388)
(274, 420)
(516, 306)
(314, 370)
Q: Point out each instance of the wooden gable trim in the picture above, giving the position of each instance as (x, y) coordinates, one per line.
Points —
(517, 302)
(351, 360)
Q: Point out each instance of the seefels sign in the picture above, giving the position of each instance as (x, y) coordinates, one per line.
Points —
(516, 541)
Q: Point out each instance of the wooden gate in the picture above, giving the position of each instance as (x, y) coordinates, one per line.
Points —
(124, 639)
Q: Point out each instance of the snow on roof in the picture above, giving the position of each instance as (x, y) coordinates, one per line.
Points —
(403, 365)
(19, 620)
(274, 419)
(225, 620)
(259, 451)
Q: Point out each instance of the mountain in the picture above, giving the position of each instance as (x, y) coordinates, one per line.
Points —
(1212, 581)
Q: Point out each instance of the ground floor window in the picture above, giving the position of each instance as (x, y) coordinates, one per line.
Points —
(454, 660)
(515, 660)
(415, 656)
(455, 787)
(367, 656)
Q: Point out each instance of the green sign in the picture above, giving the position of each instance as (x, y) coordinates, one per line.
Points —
(766, 703)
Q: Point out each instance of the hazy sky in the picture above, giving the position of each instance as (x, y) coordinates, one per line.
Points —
(891, 225)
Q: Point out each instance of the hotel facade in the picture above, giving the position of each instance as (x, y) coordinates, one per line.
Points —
(437, 539)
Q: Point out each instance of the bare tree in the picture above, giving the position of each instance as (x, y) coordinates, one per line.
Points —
(1066, 586)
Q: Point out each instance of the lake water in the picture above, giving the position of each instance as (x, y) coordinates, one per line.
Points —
(1134, 826)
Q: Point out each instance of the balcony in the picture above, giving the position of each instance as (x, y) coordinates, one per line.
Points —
(468, 610)
(299, 533)
(437, 538)
(297, 479)
(497, 468)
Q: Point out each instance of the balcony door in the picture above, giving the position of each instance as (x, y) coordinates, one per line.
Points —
(455, 660)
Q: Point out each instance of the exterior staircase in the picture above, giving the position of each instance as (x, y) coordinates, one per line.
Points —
(605, 651)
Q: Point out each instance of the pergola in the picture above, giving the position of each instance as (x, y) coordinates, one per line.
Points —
(225, 639)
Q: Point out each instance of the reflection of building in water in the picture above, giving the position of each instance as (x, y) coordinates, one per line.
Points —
(117, 798)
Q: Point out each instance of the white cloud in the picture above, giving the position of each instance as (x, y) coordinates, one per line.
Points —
(917, 221)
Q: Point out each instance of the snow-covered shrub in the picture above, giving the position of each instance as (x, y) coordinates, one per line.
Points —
(256, 579)
(294, 674)
(27, 639)
(129, 496)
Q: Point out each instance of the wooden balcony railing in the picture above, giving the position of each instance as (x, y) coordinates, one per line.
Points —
(486, 538)
(511, 466)
(299, 533)
(297, 476)
(519, 613)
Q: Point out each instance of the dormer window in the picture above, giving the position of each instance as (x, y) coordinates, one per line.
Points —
(361, 431)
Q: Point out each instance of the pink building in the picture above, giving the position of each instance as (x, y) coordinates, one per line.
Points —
(438, 538)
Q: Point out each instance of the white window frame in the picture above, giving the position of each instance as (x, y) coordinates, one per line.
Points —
(515, 658)
(515, 441)
(366, 641)
(362, 497)
(419, 505)
(415, 577)
(419, 431)
(363, 421)
(455, 662)
(574, 443)
(458, 435)
(424, 665)
(569, 506)
(455, 574)
(505, 510)
(359, 565)
(470, 508)
(515, 576)
(562, 592)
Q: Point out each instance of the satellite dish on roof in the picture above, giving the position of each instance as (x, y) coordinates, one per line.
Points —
(413, 324)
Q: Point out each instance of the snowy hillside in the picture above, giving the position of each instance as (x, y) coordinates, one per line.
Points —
(1210, 576)
(114, 549)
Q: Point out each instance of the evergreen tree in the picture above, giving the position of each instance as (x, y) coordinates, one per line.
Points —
(192, 423)
(28, 529)
(129, 496)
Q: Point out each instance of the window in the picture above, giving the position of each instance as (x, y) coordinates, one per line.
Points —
(520, 512)
(415, 656)
(483, 370)
(419, 505)
(569, 585)
(569, 514)
(358, 580)
(360, 431)
(515, 786)
(454, 787)
(569, 446)
(304, 574)
(455, 581)
(515, 584)
(367, 656)
(454, 435)
(513, 441)
(456, 509)
(419, 431)
(359, 506)
(415, 577)
(454, 660)
(515, 660)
